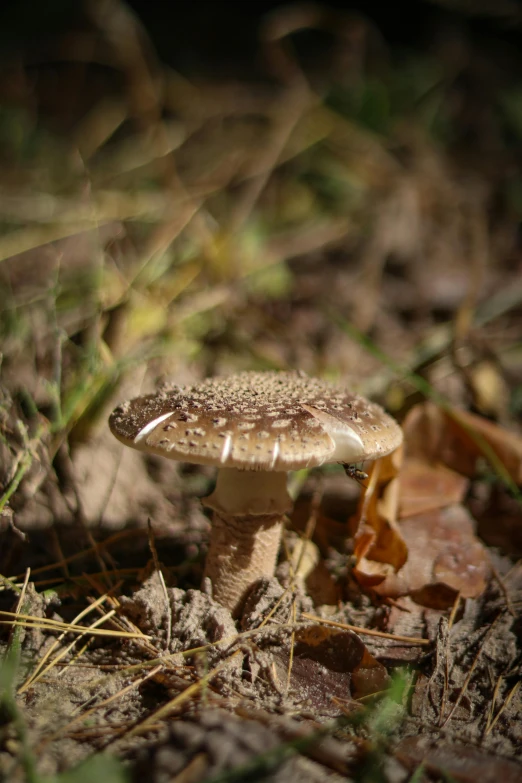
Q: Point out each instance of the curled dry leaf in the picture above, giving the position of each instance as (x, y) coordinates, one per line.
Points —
(379, 547)
(444, 555)
(444, 558)
(433, 554)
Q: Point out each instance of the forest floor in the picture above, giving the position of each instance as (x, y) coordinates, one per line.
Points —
(358, 221)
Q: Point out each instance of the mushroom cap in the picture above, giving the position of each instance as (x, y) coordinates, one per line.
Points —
(257, 421)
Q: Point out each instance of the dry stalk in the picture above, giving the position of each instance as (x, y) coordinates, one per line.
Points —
(37, 673)
(367, 631)
(174, 704)
(512, 693)
(445, 690)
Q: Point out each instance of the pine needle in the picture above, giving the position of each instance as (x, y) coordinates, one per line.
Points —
(367, 631)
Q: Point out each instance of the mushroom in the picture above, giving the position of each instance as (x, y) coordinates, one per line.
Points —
(254, 427)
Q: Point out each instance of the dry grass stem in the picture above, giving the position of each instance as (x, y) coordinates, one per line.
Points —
(54, 625)
(87, 713)
(172, 706)
(43, 671)
(469, 675)
(368, 631)
(509, 698)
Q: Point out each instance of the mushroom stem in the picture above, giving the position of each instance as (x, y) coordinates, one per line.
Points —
(249, 508)
(242, 550)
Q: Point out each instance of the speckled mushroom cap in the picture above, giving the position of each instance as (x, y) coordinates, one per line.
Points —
(259, 421)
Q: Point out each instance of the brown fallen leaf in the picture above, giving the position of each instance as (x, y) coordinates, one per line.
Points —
(499, 519)
(378, 545)
(328, 664)
(458, 439)
(444, 558)
(426, 487)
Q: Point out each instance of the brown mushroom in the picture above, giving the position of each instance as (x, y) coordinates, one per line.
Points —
(254, 427)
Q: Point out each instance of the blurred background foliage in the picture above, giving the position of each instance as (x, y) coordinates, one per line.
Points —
(203, 187)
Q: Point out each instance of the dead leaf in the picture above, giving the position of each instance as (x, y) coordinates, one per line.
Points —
(458, 438)
(445, 558)
(369, 677)
(426, 487)
(378, 545)
(330, 663)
